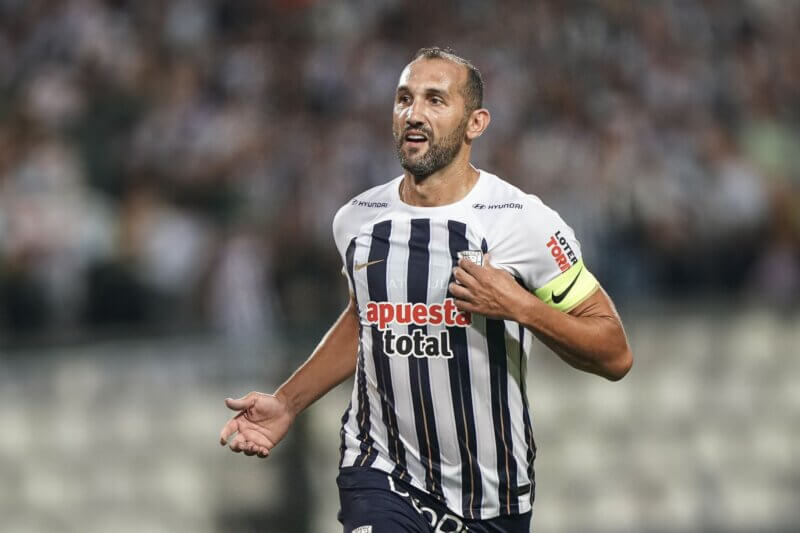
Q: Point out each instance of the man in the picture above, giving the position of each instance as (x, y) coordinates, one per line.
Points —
(452, 271)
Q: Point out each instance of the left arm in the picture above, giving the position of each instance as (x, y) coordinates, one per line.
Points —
(590, 337)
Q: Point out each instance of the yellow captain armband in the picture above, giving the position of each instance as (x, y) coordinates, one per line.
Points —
(569, 288)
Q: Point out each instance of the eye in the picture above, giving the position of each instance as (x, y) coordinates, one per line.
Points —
(436, 100)
(403, 99)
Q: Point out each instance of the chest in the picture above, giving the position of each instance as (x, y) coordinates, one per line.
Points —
(410, 259)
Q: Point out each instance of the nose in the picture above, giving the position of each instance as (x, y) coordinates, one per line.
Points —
(414, 115)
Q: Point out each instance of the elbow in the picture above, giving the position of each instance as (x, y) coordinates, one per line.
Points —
(620, 366)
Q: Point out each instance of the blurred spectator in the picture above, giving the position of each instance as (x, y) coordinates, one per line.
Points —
(135, 135)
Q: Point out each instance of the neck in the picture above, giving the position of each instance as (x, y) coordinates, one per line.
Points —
(445, 186)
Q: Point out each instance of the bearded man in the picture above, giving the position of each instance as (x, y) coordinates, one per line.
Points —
(452, 273)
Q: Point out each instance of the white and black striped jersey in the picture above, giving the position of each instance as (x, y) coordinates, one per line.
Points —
(439, 398)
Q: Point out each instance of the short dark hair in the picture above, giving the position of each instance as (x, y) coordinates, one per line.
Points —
(473, 88)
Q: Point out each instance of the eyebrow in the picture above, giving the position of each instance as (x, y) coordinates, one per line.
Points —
(428, 91)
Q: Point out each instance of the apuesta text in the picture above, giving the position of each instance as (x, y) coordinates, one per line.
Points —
(417, 343)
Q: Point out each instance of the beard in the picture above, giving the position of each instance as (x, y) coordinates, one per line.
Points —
(440, 153)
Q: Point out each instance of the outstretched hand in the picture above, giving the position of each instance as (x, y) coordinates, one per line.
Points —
(263, 420)
(486, 290)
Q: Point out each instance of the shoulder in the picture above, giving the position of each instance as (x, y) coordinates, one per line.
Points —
(362, 208)
(524, 234)
(368, 203)
(499, 198)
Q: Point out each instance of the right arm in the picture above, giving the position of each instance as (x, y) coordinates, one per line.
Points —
(332, 362)
(264, 419)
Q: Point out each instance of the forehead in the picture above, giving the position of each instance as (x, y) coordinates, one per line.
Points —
(436, 73)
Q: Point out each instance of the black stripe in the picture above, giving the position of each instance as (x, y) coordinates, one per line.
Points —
(526, 419)
(419, 375)
(461, 391)
(376, 281)
(368, 453)
(498, 371)
(342, 444)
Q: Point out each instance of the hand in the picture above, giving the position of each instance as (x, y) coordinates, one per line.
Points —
(487, 290)
(262, 422)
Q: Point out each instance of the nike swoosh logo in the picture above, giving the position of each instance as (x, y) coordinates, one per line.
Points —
(558, 298)
(365, 265)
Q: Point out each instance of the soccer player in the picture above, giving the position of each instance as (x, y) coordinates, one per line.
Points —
(452, 272)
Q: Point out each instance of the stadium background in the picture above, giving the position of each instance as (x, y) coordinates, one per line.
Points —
(169, 171)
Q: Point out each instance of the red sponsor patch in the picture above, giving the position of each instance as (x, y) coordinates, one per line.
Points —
(561, 251)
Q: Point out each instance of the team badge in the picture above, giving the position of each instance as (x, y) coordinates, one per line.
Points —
(476, 256)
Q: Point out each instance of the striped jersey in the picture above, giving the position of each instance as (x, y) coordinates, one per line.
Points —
(439, 399)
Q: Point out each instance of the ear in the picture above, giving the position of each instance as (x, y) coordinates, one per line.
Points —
(477, 123)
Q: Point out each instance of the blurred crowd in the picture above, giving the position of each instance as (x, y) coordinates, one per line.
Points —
(171, 164)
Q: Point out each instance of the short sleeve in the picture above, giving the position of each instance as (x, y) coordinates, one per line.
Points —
(545, 254)
(343, 236)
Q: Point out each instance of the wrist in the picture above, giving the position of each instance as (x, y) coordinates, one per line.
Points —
(521, 309)
(289, 401)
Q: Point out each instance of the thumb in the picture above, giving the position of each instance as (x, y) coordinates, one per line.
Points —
(242, 403)
(487, 259)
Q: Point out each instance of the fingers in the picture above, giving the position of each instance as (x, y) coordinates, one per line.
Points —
(463, 277)
(243, 443)
(228, 429)
(459, 291)
(257, 437)
(464, 305)
(469, 266)
(236, 443)
(253, 449)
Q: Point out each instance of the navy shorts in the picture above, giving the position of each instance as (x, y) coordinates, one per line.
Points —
(374, 502)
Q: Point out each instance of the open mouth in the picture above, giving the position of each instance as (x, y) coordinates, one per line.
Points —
(415, 138)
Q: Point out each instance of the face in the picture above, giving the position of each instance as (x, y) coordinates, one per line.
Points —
(430, 119)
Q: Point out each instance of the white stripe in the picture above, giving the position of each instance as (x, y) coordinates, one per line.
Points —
(384, 464)
(440, 265)
(360, 257)
(520, 446)
(377, 429)
(352, 444)
(484, 423)
(397, 291)
(350, 430)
